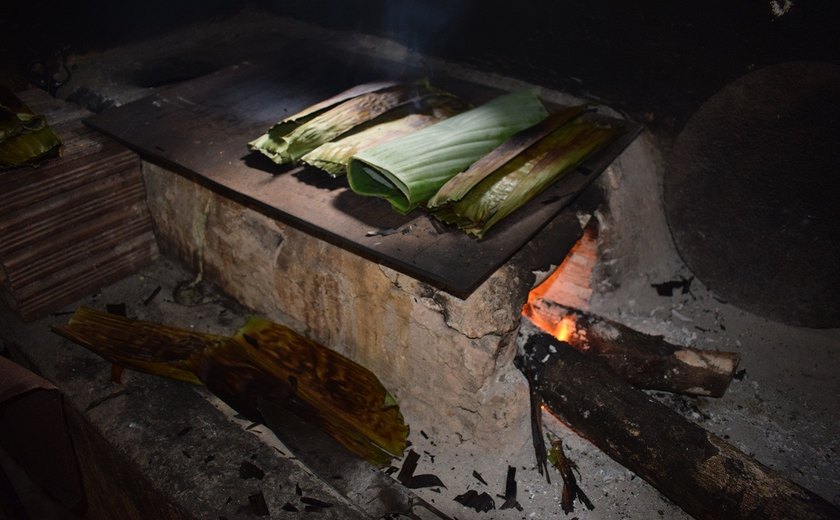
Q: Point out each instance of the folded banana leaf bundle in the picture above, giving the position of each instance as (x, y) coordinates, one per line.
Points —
(417, 146)
(353, 110)
(517, 171)
(25, 137)
(263, 362)
(333, 156)
(408, 171)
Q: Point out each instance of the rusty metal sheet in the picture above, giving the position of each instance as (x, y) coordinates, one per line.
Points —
(200, 129)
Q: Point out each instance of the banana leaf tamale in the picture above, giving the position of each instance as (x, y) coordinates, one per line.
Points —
(262, 362)
(333, 156)
(502, 191)
(25, 137)
(458, 186)
(292, 138)
(275, 134)
(409, 170)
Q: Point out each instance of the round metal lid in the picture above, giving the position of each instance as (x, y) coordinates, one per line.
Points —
(752, 193)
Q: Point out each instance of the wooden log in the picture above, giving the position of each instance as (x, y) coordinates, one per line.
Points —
(696, 469)
(560, 305)
(642, 360)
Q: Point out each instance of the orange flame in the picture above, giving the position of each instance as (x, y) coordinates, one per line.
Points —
(564, 329)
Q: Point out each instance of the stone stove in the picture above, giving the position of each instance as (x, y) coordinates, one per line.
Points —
(288, 247)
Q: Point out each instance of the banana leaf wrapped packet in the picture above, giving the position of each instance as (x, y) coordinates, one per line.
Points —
(408, 171)
(351, 111)
(25, 137)
(516, 172)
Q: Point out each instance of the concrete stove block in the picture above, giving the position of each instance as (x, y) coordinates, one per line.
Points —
(448, 361)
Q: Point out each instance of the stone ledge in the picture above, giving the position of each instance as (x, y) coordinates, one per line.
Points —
(156, 448)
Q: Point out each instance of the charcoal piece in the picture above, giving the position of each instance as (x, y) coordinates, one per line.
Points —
(478, 477)
(115, 308)
(151, 296)
(315, 502)
(481, 502)
(248, 470)
(668, 288)
(510, 491)
(288, 506)
(412, 481)
(258, 505)
(391, 470)
(408, 467)
(424, 434)
(426, 480)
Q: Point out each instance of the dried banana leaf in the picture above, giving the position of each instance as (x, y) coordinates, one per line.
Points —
(278, 130)
(458, 186)
(409, 170)
(25, 138)
(262, 362)
(525, 176)
(333, 157)
(293, 138)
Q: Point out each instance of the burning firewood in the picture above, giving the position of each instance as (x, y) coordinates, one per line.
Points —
(262, 362)
(642, 360)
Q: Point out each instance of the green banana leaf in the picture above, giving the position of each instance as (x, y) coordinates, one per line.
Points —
(409, 170)
(526, 175)
(291, 139)
(332, 157)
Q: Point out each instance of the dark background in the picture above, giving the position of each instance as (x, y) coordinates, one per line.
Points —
(655, 60)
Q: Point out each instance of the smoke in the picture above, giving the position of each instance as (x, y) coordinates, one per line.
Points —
(426, 26)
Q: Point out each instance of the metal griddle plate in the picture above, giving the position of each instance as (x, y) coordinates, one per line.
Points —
(200, 128)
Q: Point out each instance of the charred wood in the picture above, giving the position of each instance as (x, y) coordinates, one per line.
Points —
(697, 470)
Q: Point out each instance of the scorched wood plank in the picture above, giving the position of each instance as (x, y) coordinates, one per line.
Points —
(200, 129)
